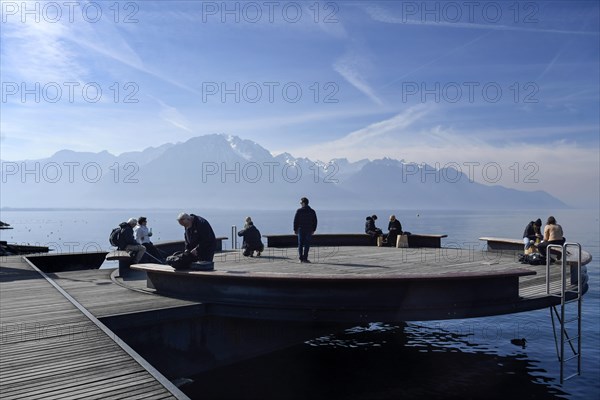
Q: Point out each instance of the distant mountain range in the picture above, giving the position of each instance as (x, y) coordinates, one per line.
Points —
(220, 171)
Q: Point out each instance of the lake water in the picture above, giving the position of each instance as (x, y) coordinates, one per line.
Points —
(472, 358)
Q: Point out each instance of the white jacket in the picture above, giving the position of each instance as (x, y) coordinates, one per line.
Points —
(141, 234)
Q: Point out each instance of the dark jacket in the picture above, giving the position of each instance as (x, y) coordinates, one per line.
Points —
(531, 230)
(200, 236)
(305, 219)
(126, 236)
(251, 238)
(396, 226)
(370, 227)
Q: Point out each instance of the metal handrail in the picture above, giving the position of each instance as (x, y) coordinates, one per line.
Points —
(563, 291)
(233, 237)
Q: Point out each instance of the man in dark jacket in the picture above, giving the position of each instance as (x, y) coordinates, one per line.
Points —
(394, 230)
(252, 241)
(305, 225)
(127, 242)
(200, 241)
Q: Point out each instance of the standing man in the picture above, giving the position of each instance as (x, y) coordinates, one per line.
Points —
(305, 225)
(200, 241)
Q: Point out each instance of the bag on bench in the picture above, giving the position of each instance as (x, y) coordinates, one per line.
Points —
(180, 260)
(402, 241)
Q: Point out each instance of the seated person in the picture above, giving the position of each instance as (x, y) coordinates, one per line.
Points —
(252, 241)
(371, 229)
(553, 234)
(142, 236)
(532, 233)
(200, 241)
(394, 229)
(128, 243)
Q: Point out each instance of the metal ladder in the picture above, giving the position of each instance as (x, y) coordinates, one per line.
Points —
(560, 317)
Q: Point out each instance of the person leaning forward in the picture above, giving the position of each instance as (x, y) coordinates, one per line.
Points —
(305, 225)
(371, 229)
(200, 241)
(394, 230)
(532, 233)
(127, 242)
(252, 241)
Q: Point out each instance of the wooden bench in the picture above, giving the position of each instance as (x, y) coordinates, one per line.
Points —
(118, 255)
(494, 243)
(425, 240)
(124, 259)
(351, 239)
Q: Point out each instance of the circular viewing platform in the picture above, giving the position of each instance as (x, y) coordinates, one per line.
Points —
(358, 284)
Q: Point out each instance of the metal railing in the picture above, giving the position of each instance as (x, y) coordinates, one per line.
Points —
(575, 295)
(233, 237)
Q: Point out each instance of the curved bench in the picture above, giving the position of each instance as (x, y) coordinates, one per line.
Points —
(117, 255)
(494, 243)
(351, 239)
(341, 297)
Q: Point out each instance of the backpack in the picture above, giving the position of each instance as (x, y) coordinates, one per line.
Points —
(532, 259)
(115, 236)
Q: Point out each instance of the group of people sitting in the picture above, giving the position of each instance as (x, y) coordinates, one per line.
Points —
(394, 230)
(200, 241)
(134, 237)
(534, 240)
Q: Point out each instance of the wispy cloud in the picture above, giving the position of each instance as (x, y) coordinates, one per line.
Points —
(366, 139)
(65, 52)
(380, 14)
(349, 67)
(173, 117)
(38, 53)
(436, 59)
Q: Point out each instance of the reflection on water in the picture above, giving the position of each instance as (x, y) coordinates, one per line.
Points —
(381, 361)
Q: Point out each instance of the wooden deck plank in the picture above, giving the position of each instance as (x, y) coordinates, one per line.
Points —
(111, 299)
(144, 389)
(49, 379)
(51, 350)
(84, 386)
(22, 372)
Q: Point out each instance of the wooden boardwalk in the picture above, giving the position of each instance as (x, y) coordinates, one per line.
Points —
(50, 348)
(98, 293)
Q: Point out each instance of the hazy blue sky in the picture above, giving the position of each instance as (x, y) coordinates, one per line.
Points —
(465, 83)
